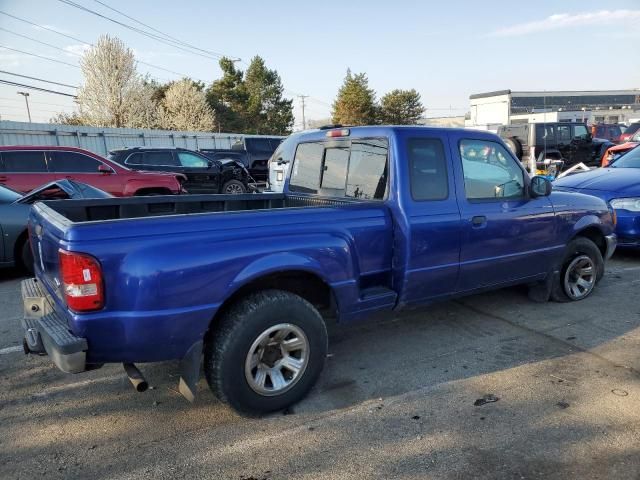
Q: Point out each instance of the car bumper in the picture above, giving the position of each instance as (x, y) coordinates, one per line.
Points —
(47, 332)
(612, 242)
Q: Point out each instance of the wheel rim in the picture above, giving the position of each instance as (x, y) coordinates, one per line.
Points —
(580, 277)
(277, 359)
(234, 188)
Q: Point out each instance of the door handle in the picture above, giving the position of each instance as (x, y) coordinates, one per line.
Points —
(478, 220)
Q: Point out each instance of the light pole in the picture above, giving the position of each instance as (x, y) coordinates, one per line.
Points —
(304, 121)
(26, 100)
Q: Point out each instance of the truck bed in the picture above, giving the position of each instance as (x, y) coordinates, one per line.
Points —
(139, 207)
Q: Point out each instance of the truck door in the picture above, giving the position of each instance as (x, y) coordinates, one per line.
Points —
(506, 236)
(581, 144)
(428, 254)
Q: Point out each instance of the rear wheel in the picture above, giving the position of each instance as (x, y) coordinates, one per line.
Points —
(266, 353)
(233, 187)
(26, 257)
(514, 146)
(582, 268)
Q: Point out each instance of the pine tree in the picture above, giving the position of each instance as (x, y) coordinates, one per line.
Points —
(228, 98)
(401, 107)
(355, 103)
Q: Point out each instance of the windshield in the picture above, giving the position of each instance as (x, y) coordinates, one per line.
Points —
(7, 195)
(631, 159)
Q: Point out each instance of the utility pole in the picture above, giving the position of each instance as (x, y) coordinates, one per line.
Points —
(26, 100)
(304, 122)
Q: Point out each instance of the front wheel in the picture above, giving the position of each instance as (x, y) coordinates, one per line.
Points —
(234, 187)
(582, 268)
(266, 353)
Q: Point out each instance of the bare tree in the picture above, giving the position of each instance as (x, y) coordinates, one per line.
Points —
(185, 107)
(143, 111)
(112, 88)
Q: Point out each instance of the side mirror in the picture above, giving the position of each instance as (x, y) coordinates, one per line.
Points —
(102, 168)
(540, 187)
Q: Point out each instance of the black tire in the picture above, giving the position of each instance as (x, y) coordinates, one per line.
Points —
(515, 146)
(234, 187)
(228, 344)
(578, 247)
(26, 257)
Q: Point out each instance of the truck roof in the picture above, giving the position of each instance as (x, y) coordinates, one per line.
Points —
(382, 130)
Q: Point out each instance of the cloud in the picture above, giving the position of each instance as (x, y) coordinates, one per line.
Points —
(75, 50)
(567, 20)
(11, 59)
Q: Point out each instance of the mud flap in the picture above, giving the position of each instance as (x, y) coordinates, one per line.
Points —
(190, 371)
(540, 292)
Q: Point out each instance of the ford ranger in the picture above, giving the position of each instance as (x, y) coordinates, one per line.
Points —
(371, 219)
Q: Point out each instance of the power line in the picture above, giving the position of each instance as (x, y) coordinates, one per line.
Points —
(32, 87)
(7, 99)
(39, 56)
(172, 43)
(38, 79)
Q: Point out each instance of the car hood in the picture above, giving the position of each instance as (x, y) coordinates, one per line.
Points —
(625, 181)
(74, 190)
(623, 147)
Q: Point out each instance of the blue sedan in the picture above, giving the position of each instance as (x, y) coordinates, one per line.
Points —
(619, 186)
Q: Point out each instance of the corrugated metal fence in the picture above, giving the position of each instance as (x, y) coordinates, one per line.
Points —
(101, 140)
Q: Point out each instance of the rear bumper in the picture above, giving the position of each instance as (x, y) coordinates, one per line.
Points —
(612, 242)
(45, 331)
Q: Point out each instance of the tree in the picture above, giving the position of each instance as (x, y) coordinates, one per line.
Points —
(67, 119)
(268, 113)
(185, 107)
(111, 84)
(143, 111)
(228, 98)
(401, 107)
(355, 103)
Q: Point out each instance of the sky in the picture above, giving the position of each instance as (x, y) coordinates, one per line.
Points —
(445, 50)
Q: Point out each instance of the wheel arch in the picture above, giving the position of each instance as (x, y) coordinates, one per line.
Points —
(596, 235)
(17, 247)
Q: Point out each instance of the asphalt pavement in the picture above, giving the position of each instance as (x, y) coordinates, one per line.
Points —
(489, 386)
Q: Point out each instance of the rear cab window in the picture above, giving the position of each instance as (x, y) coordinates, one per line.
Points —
(356, 168)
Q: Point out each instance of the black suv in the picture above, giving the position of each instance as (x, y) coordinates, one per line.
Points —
(252, 152)
(204, 175)
(570, 142)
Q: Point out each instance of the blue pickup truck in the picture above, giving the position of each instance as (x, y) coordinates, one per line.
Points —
(371, 219)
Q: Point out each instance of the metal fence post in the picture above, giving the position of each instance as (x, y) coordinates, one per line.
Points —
(104, 139)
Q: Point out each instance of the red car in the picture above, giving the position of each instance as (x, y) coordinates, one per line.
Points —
(614, 152)
(24, 168)
(629, 132)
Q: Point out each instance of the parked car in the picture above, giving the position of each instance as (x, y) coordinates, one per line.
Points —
(371, 219)
(203, 175)
(24, 168)
(607, 131)
(570, 142)
(279, 164)
(619, 186)
(253, 152)
(14, 213)
(629, 132)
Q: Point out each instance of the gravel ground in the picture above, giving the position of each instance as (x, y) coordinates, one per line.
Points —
(397, 400)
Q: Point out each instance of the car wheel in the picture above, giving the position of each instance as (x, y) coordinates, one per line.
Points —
(582, 268)
(233, 187)
(266, 353)
(515, 146)
(26, 257)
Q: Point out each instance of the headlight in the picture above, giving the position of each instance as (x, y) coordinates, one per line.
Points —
(631, 204)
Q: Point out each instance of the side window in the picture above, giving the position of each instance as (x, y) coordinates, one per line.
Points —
(367, 177)
(162, 159)
(135, 159)
(580, 132)
(72, 162)
(489, 171)
(190, 160)
(545, 134)
(305, 176)
(428, 169)
(24, 162)
(334, 171)
(564, 133)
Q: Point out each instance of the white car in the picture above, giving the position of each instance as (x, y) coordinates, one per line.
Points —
(280, 163)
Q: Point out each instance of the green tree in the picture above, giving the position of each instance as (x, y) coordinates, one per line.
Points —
(355, 103)
(268, 112)
(228, 98)
(401, 107)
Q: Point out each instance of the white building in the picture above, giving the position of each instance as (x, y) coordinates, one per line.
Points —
(492, 109)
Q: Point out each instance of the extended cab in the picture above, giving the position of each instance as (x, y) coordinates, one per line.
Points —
(371, 219)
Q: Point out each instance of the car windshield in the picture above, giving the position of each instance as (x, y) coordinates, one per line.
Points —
(631, 159)
(7, 195)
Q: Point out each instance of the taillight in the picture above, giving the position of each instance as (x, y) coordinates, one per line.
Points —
(81, 281)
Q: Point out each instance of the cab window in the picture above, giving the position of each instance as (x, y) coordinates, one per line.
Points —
(25, 161)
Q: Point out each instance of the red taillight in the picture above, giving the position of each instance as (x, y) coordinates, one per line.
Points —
(342, 132)
(81, 281)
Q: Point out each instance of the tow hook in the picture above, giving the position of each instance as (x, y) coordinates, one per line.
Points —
(135, 377)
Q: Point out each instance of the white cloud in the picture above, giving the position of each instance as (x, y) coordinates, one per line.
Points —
(619, 18)
(11, 59)
(75, 50)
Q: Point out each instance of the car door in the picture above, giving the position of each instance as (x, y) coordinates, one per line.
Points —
(429, 257)
(581, 144)
(83, 168)
(506, 236)
(24, 170)
(203, 175)
(563, 139)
